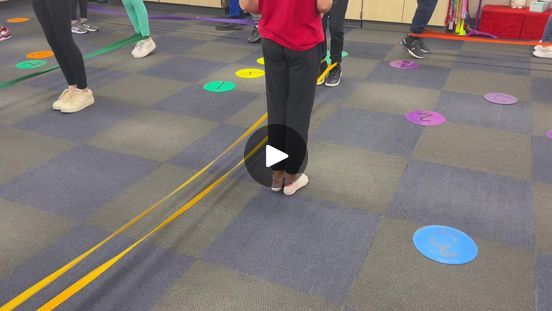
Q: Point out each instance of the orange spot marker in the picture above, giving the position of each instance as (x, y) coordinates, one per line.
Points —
(40, 54)
(17, 20)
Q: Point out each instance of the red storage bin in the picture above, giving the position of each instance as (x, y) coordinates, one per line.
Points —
(508, 23)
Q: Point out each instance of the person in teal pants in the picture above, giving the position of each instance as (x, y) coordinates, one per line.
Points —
(138, 16)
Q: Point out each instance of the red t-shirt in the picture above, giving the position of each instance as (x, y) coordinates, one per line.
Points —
(294, 24)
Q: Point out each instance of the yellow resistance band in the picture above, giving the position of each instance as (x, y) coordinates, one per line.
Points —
(94, 274)
(31, 291)
(325, 73)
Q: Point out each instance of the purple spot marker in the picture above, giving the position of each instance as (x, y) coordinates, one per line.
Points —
(426, 118)
(501, 99)
(404, 64)
(549, 134)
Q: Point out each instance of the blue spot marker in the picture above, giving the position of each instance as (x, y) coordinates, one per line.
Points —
(445, 245)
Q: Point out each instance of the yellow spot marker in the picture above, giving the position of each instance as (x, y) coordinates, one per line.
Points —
(323, 75)
(98, 271)
(17, 20)
(250, 73)
(260, 61)
(40, 54)
(37, 287)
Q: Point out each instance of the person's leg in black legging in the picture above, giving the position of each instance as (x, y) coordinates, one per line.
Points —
(303, 71)
(55, 18)
(337, 29)
(277, 85)
(43, 16)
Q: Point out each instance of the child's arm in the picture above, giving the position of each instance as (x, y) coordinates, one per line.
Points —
(251, 6)
(324, 6)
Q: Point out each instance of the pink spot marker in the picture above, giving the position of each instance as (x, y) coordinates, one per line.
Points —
(501, 99)
(404, 64)
(549, 134)
(426, 118)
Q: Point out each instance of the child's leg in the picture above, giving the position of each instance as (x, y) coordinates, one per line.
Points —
(131, 12)
(277, 85)
(547, 37)
(303, 71)
(142, 16)
(337, 24)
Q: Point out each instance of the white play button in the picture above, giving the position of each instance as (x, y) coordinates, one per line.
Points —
(274, 156)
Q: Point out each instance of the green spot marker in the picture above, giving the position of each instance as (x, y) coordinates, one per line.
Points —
(328, 56)
(31, 64)
(219, 86)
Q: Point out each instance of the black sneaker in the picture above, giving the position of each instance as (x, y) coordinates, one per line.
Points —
(424, 47)
(334, 77)
(255, 36)
(228, 26)
(413, 46)
(323, 67)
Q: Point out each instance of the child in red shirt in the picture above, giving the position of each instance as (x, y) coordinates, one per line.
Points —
(292, 35)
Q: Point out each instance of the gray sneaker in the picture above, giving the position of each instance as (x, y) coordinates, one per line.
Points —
(88, 26)
(78, 29)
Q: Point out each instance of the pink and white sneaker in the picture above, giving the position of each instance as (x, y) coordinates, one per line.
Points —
(5, 34)
(291, 188)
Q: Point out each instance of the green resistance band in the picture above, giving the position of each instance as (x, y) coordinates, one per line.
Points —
(109, 48)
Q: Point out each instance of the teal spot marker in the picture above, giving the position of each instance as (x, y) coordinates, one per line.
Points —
(219, 86)
(31, 64)
(328, 56)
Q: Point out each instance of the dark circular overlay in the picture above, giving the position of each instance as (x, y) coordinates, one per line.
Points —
(256, 164)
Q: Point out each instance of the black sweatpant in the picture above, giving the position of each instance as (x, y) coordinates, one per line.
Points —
(290, 88)
(83, 9)
(424, 12)
(55, 18)
(336, 20)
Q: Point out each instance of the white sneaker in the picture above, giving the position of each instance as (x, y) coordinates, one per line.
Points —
(80, 100)
(64, 97)
(143, 48)
(301, 182)
(543, 53)
(541, 48)
(277, 185)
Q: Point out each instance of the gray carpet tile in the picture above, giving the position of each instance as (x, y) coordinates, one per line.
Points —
(427, 76)
(541, 91)
(544, 282)
(509, 64)
(26, 151)
(376, 131)
(367, 180)
(542, 119)
(153, 134)
(25, 232)
(392, 98)
(210, 287)
(81, 126)
(77, 182)
(462, 80)
(174, 45)
(367, 49)
(303, 243)
(135, 283)
(475, 110)
(97, 78)
(542, 196)
(489, 206)
(195, 101)
(182, 68)
(542, 161)
(476, 148)
(336, 96)
(204, 150)
(395, 276)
